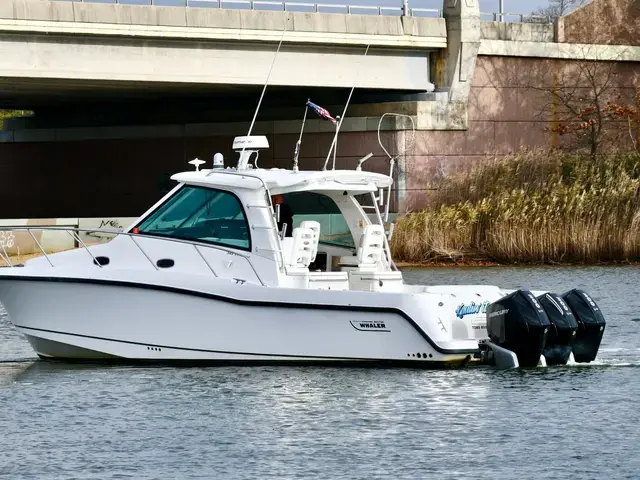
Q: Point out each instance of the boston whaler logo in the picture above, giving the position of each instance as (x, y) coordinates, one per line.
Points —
(472, 309)
(369, 326)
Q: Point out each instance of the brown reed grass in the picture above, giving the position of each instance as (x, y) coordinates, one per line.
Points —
(532, 207)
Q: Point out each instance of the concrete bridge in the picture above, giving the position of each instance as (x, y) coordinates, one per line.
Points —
(55, 52)
(48, 42)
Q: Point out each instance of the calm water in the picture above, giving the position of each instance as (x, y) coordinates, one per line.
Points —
(576, 422)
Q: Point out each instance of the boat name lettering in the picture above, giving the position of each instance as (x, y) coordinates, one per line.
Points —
(472, 309)
(369, 326)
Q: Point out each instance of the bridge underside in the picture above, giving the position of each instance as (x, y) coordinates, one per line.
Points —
(84, 94)
(122, 66)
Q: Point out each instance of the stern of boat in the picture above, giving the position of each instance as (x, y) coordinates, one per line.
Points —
(454, 316)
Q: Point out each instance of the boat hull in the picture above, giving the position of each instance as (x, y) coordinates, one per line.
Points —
(82, 320)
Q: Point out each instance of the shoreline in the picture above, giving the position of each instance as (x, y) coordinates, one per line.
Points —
(461, 263)
(492, 264)
(529, 208)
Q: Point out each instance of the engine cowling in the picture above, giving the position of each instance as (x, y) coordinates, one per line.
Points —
(518, 323)
(562, 331)
(591, 324)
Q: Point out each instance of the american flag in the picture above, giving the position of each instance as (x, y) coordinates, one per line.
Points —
(322, 112)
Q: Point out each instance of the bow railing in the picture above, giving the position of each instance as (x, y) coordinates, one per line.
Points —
(7, 239)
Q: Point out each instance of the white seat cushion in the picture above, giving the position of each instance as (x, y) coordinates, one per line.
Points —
(298, 248)
(371, 249)
(314, 227)
(349, 261)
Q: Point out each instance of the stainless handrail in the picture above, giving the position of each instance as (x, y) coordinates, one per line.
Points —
(387, 247)
(132, 236)
(76, 238)
(40, 247)
(5, 256)
(144, 253)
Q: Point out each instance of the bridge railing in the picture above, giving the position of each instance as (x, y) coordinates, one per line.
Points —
(282, 5)
(516, 17)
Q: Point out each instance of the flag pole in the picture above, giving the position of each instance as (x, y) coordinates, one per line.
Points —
(297, 152)
(335, 146)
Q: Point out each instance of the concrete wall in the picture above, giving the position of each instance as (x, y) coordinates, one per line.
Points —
(104, 175)
(509, 111)
(494, 80)
(518, 32)
(122, 178)
(22, 242)
(614, 22)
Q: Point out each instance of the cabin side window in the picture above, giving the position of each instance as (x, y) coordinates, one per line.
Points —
(201, 214)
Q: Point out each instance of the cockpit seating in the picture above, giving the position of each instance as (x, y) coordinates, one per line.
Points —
(300, 251)
(366, 269)
(297, 249)
(315, 238)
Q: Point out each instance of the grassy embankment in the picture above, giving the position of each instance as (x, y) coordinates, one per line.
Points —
(534, 207)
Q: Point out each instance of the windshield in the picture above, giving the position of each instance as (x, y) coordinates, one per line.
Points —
(201, 214)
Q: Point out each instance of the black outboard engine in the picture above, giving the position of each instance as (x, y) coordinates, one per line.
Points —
(518, 323)
(591, 325)
(563, 330)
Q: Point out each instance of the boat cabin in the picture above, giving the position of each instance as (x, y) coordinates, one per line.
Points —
(297, 229)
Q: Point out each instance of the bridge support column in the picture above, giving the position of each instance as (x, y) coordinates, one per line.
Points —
(454, 66)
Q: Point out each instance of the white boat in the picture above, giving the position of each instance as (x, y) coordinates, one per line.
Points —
(209, 274)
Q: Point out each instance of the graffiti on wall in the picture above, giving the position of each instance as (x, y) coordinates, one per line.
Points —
(7, 239)
(106, 223)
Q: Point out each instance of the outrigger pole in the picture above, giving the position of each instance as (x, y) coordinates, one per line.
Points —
(243, 161)
(344, 112)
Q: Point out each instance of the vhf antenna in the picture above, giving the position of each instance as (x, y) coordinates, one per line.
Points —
(242, 163)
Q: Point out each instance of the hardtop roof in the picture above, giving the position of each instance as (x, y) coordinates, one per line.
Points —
(284, 181)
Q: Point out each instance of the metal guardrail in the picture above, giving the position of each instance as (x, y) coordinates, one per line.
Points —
(75, 234)
(522, 17)
(283, 5)
(294, 6)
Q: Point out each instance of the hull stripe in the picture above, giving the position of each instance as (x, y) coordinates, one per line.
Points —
(187, 349)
